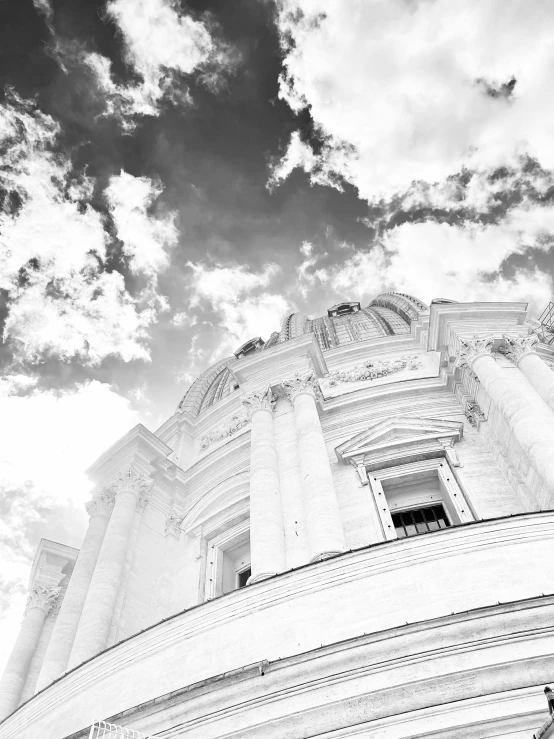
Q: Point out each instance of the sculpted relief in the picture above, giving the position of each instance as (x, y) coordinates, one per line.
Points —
(373, 369)
(233, 425)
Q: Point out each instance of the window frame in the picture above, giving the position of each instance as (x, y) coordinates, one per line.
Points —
(217, 546)
(453, 499)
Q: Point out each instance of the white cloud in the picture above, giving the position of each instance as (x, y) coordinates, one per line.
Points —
(226, 284)
(47, 439)
(183, 319)
(161, 45)
(242, 314)
(432, 260)
(53, 247)
(398, 89)
(146, 238)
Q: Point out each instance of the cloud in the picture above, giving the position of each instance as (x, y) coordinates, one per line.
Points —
(433, 260)
(402, 91)
(163, 48)
(183, 319)
(238, 297)
(146, 239)
(61, 298)
(47, 439)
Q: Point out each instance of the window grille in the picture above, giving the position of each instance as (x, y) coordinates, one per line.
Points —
(419, 520)
(104, 730)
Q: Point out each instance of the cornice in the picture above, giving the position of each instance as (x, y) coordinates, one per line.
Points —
(487, 315)
(303, 347)
(48, 547)
(138, 438)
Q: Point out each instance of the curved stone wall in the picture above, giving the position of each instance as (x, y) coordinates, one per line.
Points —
(420, 624)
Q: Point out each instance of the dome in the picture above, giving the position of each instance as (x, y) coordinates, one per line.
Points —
(389, 314)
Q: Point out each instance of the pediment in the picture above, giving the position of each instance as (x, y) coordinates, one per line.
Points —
(397, 436)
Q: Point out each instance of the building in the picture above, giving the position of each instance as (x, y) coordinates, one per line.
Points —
(345, 531)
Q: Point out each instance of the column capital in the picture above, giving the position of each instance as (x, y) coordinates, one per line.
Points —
(262, 400)
(42, 597)
(129, 480)
(300, 384)
(517, 348)
(473, 348)
(101, 504)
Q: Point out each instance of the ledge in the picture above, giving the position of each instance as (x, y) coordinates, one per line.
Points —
(370, 591)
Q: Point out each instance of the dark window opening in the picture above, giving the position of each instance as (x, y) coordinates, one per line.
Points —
(420, 520)
(242, 577)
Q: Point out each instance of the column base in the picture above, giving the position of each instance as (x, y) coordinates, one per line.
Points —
(325, 555)
(258, 578)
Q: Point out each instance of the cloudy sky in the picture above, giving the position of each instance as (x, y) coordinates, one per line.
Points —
(177, 175)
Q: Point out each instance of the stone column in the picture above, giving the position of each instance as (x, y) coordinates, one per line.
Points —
(323, 523)
(94, 625)
(522, 351)
(535, 438)
(267, 536)
(41, 599)
(61, 642)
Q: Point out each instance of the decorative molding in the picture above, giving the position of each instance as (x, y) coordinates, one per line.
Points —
(400, 439)
(373, 369)
(517, 347)
(42, 596)
(470, 349)
(262, 400)
(173, 524)
(232, 426)
(302, 384)
(474, 414)
(144, 498)
(101, 504)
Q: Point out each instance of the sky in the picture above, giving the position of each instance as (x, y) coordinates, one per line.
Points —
(175, 177)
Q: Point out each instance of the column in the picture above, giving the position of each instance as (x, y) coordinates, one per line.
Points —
(94, 625)
(323, 522)
(535, 438)
(41, 599)
(267, 537)
(61, 642)
(522, 351)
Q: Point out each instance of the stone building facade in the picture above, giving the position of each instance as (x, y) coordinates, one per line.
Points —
(345, 531)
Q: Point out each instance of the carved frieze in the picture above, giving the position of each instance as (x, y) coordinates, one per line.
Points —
(42, 596)
(228, 428)
(474, 347)
(373, 369)
(518, 347)
(301, 384)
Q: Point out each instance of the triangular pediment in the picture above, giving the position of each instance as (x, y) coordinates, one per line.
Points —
(399, 433)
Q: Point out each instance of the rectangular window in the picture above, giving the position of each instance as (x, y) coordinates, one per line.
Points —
(419, 520)
(242, 577)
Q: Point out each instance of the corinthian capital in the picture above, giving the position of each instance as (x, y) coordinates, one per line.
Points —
(471, 349)
(132, 481)
(101, 504)
(42, 596)
(263, 400)
(518, 347)
(301, 384)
